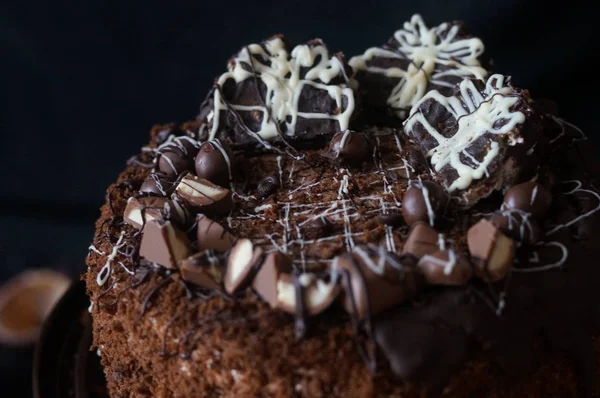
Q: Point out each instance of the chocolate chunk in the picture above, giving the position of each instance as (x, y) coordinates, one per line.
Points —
(202, 269)
(212, 236)
(242, 265)
(445, 267)
(204, 196)
(317, 228)
(424, 201)
(164, 244)
(391, 219)
(492, 251)
(274, 93)
(530, 197)
(144, 209)
(158, 184)
(349, 147)
(214, 163)
(175, 210)
(177, 156)
(417, 164)
(317, 295)
(267, 186)
(480, 139)
(376, 280)
(392, 78)
(423, 239)
(265, 282)
(518, 225)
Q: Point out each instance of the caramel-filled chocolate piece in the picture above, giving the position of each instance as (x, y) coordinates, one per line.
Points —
(214, 163)
(164, 244)
(242, 265)
(265, 282)
(376, 280)
(204, 196)
(492, 251)
(423, 239)
(479, 139)
(518, 225)
(203, 269)
(317, 295)
(212, 235)
(349, 147)
(141, 210)
(531, 197)
(445, 267)
(424, 201)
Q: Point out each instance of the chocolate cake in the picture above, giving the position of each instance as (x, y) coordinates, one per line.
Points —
(302, 237)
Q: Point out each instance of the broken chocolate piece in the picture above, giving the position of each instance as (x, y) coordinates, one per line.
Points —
(317, 295)
(493, 252)
(423, 239)
(445, 267)
(144, 209)
(350, 147)
(242, 265)
(423, 201)
(530, 196)
(518, 225)
(158, 184)
(392, 78)
(203, 195)
(376, 280)
(202, 269)
(267, 186)
(214, 163)
(479, 139)
(164, 244)
(265, 282)
(212, 235)
(273, 94)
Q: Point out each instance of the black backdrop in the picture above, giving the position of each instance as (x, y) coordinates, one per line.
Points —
(82, 82)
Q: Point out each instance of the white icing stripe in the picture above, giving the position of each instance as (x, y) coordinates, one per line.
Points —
(105, 271)
(578, 185)
(425, 49)
(281, 76)
(476, 115)
(556, 264)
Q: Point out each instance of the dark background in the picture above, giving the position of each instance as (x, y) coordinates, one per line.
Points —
(81, 83)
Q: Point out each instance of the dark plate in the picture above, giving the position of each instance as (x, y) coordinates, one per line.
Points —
(63, 366)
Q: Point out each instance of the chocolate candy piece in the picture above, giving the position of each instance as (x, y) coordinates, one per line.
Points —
(267, 186)
(164, 244)
(270, 92)
(445, 267)
(242, 265)
(392, 78)
(265, 282)
(423, 201)
(202, 269)
(212, 236)
(176, 156)
(391, 219)
(478, 140)
(518, 225)
(316, 228)
(377, 280)
(423, 239)
(493, 252)
(530, 197)
(141, 210)
(214, 163)
(316, 294)
(203, 195)
(158, 184)
(350, 147)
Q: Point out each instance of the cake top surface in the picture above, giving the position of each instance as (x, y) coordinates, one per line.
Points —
(460, 212)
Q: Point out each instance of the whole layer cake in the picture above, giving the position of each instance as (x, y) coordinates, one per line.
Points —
(404, 224)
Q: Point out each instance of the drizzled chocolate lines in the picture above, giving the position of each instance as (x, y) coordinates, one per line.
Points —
(577, 188)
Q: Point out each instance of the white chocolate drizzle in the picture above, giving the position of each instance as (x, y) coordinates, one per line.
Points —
(577, 189)
(477, 113)
(433, 54)
(105, 271)
(281, 74)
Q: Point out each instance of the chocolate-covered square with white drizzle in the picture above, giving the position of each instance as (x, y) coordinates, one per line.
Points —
(394, 77)
(270, 93)
(480, 138)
